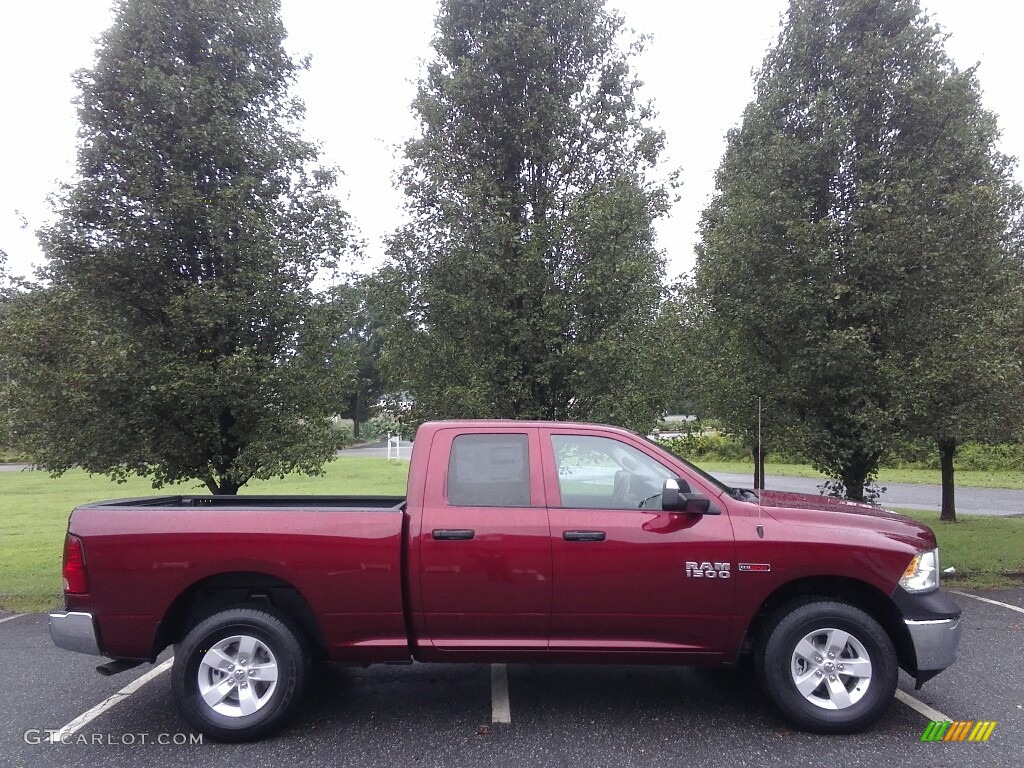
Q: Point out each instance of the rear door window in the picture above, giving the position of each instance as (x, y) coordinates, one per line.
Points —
(489, 471)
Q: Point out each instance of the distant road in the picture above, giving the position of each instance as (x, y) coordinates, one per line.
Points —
(969, 500)
(378, 450)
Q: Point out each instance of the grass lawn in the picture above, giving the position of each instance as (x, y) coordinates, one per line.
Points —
(982, 549)
(35, 508)
(977, 479)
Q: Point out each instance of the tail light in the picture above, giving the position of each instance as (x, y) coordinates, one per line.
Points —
(75, 580)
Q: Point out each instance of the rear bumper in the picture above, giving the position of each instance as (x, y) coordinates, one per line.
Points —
(75, 631)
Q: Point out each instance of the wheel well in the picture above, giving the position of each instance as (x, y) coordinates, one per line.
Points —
(857, 593)
(215, 593)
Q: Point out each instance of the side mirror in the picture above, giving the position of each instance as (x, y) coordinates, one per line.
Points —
(677, 497)
(672, 495)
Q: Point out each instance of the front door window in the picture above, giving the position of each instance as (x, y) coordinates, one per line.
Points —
(601, 473)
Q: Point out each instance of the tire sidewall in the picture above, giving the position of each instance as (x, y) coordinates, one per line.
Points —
(777, 655)
(282, 640)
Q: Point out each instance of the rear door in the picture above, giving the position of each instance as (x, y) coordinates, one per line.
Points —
(485, 544)
(621, 581)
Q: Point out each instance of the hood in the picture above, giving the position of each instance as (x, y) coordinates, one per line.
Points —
(809, 509)
(821, 503)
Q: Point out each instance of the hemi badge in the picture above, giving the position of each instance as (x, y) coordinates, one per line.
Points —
(755, 567)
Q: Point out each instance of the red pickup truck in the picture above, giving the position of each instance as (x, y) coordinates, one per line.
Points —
(517, 542)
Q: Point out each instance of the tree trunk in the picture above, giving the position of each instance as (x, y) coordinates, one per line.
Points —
(358, 406)
(229, 453)
(854, 479)
(759, 455)
(853, 484)
(222, 486)
(947, 450)
(855, 473)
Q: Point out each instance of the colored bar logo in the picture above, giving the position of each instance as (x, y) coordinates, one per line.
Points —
(958, 730)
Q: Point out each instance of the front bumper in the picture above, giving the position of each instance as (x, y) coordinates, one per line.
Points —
(75, 631)
(933, 624)
(935, 643)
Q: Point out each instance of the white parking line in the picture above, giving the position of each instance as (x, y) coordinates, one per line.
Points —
(920, 706)
(84, 719)
(11, 618)
(501, 710)
(1016, 608)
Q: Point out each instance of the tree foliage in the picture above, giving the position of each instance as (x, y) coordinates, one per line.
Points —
(527, 283)
(359, 334)
(8, 294)
(181, 337)
(857, 247)
(736, 391)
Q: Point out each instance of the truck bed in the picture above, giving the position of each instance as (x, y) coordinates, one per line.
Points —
(383, 503)
(339, 555)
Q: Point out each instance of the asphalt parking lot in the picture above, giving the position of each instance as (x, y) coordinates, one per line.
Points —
(433, 715)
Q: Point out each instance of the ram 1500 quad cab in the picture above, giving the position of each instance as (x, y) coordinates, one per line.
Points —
(516, 542)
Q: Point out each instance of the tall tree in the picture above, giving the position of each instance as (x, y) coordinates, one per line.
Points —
(861, 192)
(738, 392)
(359, 335)
(527, 283)
(962, 380)
(8, 294)
(182, 338)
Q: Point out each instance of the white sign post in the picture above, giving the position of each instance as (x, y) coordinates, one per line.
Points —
(394, 441)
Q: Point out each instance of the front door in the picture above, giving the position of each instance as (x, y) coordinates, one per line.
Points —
(621, 581)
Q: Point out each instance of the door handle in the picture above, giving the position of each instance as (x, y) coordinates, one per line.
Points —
(583, 535)
(452, 534)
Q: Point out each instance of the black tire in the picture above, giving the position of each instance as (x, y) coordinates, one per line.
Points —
(782, 660)
(259, 646)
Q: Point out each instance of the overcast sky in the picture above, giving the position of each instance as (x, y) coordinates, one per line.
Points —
(366, 57)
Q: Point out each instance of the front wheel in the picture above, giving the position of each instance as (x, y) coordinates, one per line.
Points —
(238, 673)
(828, 666)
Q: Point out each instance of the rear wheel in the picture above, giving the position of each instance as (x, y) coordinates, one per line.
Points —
(237, 674)
(828, 666)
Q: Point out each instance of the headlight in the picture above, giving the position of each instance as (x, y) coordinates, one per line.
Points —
(922, 575)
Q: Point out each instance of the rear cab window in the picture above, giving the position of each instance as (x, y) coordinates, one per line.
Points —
(489, 470)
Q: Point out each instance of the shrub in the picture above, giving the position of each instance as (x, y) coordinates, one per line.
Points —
(1001, 457)
(990, 458)
(707, 447)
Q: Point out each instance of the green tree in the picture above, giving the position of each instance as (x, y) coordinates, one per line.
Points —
(182, 337)
(8, 294)
(728, 383)
(859, 200)
(4, 278)
(359, 334)
(527, 283)
(962, 381)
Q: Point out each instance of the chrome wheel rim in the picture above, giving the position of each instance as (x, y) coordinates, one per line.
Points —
(831, 668)
(237, 676)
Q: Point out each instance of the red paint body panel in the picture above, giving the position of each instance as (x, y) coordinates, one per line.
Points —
(384, 584)
(629, 592)
(491, 592)
(345, 563)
